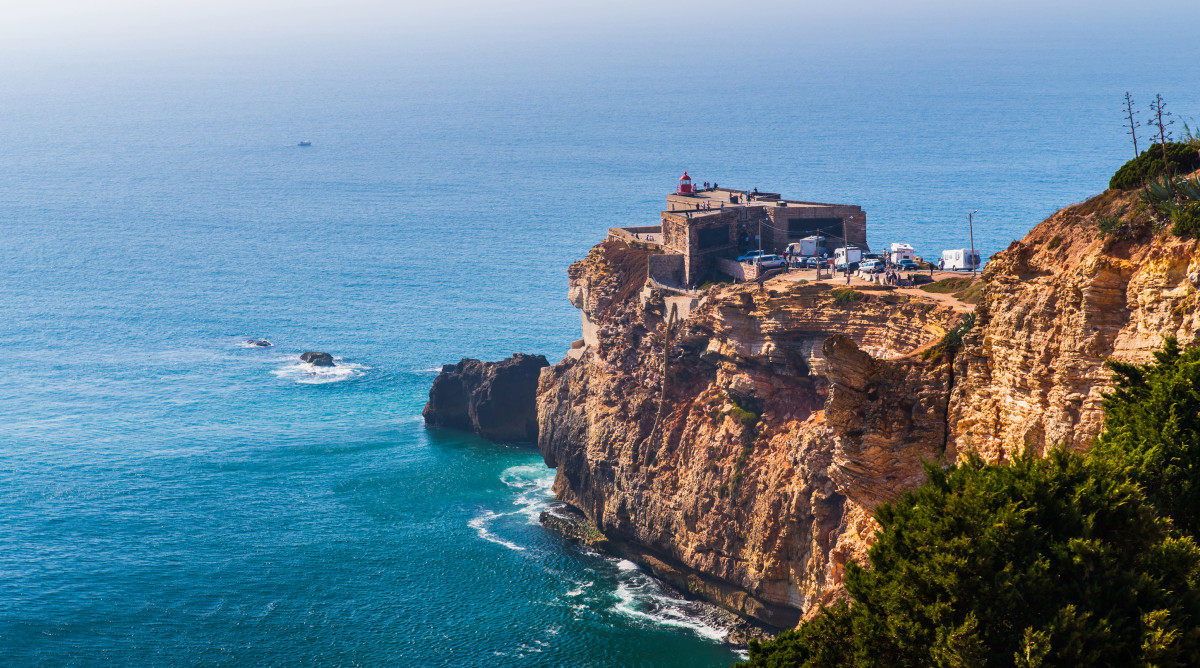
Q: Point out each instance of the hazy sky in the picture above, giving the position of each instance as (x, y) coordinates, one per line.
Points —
(82, 26)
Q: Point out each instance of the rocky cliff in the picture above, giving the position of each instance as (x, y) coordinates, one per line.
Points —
(740, 450)
(1058, 304)
(705, 441)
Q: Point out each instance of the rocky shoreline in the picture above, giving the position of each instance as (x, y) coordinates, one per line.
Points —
(738, 454)
(574, 526)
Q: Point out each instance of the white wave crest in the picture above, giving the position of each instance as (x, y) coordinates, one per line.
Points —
(255, 343)
(308, 374)
(480, 525)
(641, 597)
(534, 484)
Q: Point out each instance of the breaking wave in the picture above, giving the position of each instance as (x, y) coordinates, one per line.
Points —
(641, 597)
(308, 374)
(532, 483)
(480, 525)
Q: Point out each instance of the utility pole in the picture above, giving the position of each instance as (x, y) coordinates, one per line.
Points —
(845, 250)
(971, 226)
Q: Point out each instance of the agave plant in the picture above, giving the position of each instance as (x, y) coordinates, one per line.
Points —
(1189, 189)
(1160, 193)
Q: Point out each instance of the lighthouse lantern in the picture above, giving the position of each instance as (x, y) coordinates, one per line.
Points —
(685, 184)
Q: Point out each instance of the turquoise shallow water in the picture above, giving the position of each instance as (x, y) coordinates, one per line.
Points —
(171, 497)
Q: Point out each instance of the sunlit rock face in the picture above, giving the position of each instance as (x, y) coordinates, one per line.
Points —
(746, 446)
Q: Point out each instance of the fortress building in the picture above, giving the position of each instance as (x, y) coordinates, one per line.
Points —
(703, 224)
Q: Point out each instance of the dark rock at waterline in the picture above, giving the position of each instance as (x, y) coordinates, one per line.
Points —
(317, 359)
(574, 526)
(258, 343)
(496, 400)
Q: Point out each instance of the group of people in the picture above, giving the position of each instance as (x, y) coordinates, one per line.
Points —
(891, 277)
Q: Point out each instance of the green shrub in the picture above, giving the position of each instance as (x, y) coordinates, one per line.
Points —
(1108, 224)
(738, 466)
(952, 340)
(1186, 219)
(1152, 428)
(948, 285)
(1054, 243)
(846, 296)
(1182, 157)
(972, 295)
(747, 418)
(1055, 561)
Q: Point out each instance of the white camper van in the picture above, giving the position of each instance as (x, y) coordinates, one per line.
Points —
(960, 259)
(806, 247)
(900, 252)
(842, 254)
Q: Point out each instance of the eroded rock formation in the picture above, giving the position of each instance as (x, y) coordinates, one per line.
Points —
(706, 443)
(1058, 304)
(743, 448)
(493, 399)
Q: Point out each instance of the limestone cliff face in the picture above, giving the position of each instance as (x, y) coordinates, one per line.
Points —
(706, 441)
(1059, 303)
(747, 445)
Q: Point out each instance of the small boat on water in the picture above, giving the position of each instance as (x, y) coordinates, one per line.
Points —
(305, 143)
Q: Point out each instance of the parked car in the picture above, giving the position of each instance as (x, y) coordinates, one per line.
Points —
(769, 261)
(907, 265)
(871, 266)
(749, 257)
(812, 262)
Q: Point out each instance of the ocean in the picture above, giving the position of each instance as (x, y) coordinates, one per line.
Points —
(170, 496)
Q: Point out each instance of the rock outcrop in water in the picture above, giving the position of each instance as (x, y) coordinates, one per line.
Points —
(496, 400)
(317, 359)
(743, 448)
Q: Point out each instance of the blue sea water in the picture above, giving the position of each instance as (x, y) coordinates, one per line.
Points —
(170, 496)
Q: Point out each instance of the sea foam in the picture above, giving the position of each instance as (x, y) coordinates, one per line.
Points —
(308, 374)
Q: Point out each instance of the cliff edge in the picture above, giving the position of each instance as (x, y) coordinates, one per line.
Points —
(741, 448)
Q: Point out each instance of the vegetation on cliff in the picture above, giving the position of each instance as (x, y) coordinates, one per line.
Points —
(1072, 559)
(1152, 431)
(1182, 157)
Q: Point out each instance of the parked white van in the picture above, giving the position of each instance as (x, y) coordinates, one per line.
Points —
(843, 253)
(806, 247)
(900, 252)
(960, 259)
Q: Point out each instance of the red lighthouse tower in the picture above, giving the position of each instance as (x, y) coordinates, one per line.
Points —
(685, 184)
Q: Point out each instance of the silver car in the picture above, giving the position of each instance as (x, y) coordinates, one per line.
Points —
(769, 261)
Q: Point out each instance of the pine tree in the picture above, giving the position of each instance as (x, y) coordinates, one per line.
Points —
(1044, 562)
(1152, 428)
